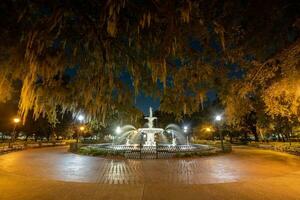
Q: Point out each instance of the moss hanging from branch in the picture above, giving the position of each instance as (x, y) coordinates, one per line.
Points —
(151, 40)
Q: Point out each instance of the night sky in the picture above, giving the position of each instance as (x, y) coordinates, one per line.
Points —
(143, 103)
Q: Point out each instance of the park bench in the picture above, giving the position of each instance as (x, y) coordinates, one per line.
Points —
(33, 145)
(5, 149)
(47, 144)
(17, 147)
(1, 149)
(265, 146)
(60, 143)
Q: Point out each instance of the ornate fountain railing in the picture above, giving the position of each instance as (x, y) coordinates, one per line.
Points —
(150, 152)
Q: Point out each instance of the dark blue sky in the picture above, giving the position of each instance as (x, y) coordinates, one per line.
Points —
(143, 103)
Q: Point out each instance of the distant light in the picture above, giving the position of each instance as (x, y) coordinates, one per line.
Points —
(80, 118)
(82, 128)
(118, 130)
(208, 129)
(16, 120)
(185, 129)
(218, 118)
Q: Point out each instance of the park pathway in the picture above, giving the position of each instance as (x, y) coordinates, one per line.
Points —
(54, 173)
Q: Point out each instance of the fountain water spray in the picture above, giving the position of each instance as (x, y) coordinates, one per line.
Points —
(130, 134)
(130, 141)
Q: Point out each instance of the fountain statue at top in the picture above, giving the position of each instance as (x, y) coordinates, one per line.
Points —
(150, 131)
(150, 118)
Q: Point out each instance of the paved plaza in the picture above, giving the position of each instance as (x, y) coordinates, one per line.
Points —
(54, 173)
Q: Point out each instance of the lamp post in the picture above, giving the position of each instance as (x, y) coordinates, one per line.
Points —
(218, 119)
(80, 118)
(16, 121)
(81, 129)
(118, 131)
(185, 130)
(209, 130)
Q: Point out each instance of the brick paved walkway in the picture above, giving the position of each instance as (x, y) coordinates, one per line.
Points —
(245, 174)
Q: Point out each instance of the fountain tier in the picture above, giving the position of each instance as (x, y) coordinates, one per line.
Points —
(150, 131)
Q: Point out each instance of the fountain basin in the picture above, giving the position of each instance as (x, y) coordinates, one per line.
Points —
(150, 132)
(144, 145)
(137, 151)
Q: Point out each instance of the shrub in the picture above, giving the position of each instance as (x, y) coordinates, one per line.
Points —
(99, 152)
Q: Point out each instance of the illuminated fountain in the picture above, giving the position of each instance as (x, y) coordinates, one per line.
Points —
(127, 142)
(142, 143)
(150, 131)
(132, 136)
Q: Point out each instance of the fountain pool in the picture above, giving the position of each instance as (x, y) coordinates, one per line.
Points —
(142, 142)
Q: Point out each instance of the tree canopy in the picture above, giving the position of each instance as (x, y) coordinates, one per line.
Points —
(71, 55)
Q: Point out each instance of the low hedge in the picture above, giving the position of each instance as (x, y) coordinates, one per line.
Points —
(98, 152)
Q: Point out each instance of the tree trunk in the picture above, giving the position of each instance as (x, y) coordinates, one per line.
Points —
(278, 137)
(246, 137)
(262, 135)
(255, 136)
(254, 132)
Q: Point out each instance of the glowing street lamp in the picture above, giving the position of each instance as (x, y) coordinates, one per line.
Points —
(80, 118)
(208, 129)
(16, 120)
(81, 128)
(185, 129)
(218, 119)
(118, 130)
